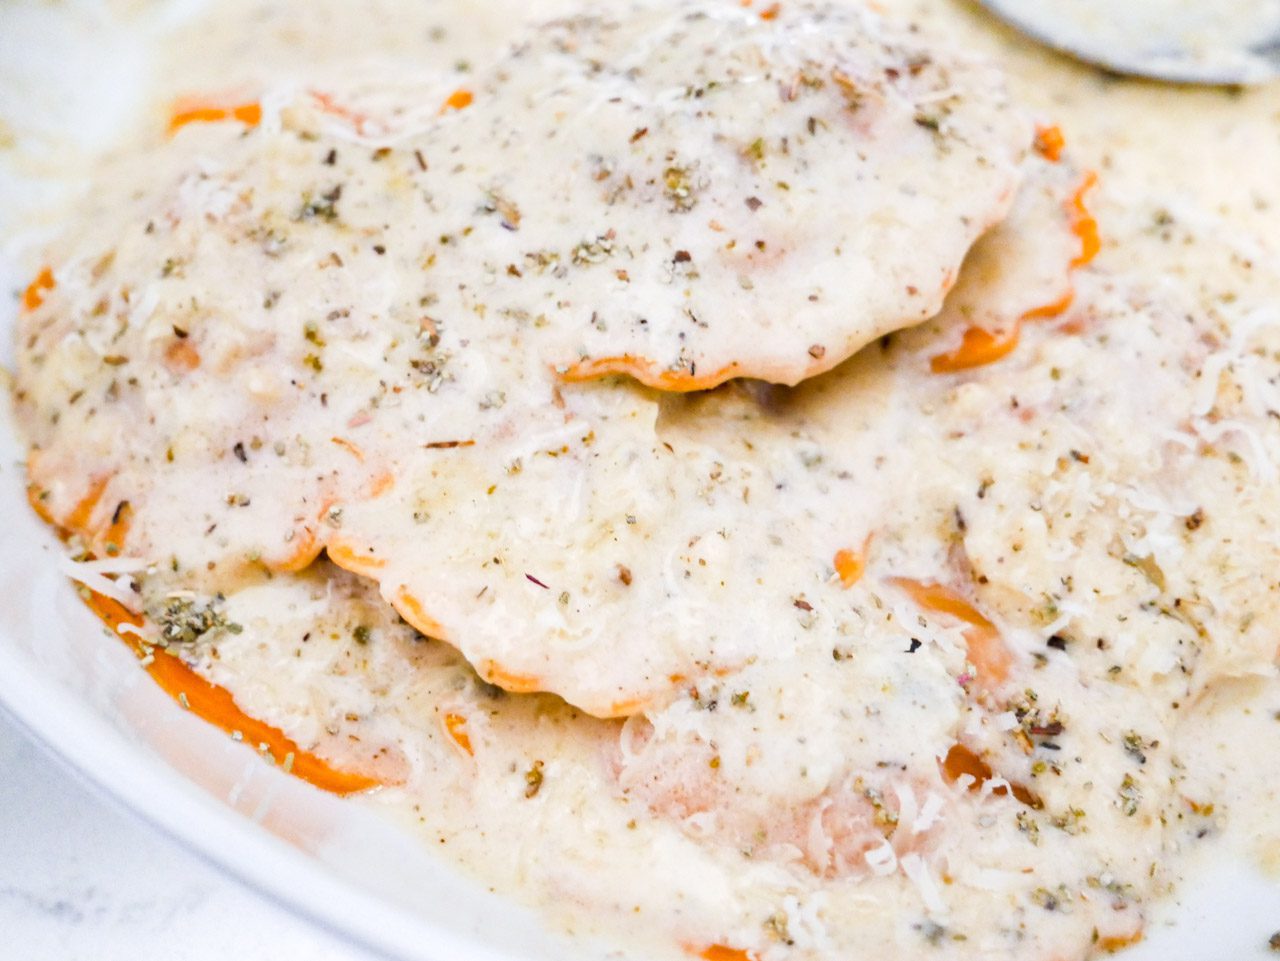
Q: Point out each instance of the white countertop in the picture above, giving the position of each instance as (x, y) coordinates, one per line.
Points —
(81, 879)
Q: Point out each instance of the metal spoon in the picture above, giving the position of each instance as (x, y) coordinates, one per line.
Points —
(1182, 41)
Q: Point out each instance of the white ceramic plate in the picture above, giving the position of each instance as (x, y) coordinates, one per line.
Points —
(84, 696)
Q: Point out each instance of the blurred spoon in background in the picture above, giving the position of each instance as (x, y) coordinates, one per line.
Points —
(1181, 41)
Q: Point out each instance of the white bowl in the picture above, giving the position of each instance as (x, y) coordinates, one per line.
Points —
(332, 861)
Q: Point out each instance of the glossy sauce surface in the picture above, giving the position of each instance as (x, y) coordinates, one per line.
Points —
(1002, 704)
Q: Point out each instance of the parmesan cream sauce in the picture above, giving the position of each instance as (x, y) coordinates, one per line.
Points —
(616, 830)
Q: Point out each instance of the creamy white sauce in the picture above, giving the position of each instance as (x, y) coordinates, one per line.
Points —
(1102, 495)
(465, 274)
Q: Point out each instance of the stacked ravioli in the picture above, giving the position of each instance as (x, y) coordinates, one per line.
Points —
(485, 432)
